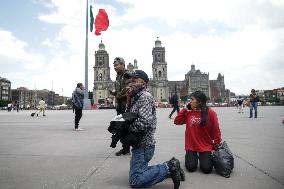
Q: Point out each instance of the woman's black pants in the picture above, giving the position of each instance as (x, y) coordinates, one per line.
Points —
(205, 162)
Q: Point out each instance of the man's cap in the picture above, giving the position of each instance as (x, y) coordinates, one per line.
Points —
(139, 74)
(118, 60)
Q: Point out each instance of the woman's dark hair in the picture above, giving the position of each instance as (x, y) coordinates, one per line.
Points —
(201, 98)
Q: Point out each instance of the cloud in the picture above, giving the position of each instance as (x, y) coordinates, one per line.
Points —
(239, 39)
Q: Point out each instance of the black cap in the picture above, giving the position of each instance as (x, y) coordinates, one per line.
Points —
(139, 74)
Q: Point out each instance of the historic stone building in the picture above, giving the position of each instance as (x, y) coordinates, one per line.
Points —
(159, 86)
(217, 89)
(5, 89)
(102, 81)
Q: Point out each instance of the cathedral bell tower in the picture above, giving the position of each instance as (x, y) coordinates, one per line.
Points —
(159, 84)
(159, 65)
(102, 81)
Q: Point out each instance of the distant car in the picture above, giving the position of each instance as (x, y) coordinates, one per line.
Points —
(210, 104)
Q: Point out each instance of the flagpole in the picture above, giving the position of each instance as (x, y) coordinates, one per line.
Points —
(87, 102)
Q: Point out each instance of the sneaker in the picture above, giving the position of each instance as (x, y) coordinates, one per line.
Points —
(78, 129)
(122, 152)
(174, 169)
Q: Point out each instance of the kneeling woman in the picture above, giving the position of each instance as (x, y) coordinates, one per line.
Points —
(202, 132)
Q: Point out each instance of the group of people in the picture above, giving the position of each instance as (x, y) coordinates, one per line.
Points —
(202, 132)
(201, 136)
(252, 103)
(18, 107)
(202, 128)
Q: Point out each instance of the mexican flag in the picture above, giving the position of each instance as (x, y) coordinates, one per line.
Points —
(101, 23)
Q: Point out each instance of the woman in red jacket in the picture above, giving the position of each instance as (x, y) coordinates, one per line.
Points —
(202, 132)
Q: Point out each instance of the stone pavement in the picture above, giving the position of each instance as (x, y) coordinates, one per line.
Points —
(44, 152)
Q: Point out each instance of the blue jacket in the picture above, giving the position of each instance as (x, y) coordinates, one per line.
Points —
(77, 98)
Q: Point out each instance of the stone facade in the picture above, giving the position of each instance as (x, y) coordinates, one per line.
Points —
(102, 81)
(30, 98)
(5, 89)
(196, 80)
(159, 86)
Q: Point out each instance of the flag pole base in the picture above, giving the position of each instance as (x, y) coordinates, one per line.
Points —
(87, 104)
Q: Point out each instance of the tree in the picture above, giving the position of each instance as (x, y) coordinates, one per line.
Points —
(101, 101)
(4, 103)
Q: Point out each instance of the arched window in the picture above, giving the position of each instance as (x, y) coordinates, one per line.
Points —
(160, 74)
(101, 76)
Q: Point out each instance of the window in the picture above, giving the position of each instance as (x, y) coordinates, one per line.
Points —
(160, 74)
(101, 76)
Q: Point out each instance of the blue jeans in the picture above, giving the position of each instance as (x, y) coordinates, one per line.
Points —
(253, 106)
(140, 174)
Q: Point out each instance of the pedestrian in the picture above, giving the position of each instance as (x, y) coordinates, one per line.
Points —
(240, 104)
(254, 99)
(202, 132)
(141, 102)
(77, 102)
(41, 107)
(17, 106)
(174, 101)
(121, 83)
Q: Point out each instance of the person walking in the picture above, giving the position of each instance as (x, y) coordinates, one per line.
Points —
(17, 106)
(141, 102)
(240, 103)
(78, 103)
(174, 101)
(41, 107)
(202, 132)
(121, 83)
(254, 99)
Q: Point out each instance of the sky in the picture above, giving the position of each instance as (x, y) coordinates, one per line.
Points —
(42, 42)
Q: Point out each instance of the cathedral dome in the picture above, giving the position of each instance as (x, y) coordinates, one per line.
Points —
(158, 43)
(101, 46)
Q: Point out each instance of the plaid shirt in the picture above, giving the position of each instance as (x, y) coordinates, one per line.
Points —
(144, 106)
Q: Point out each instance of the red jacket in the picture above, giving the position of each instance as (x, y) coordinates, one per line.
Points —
(199, 139)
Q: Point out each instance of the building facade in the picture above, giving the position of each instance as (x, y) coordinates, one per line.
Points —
(30, 98)
(159, 85)
(5, 89)
(102, 81)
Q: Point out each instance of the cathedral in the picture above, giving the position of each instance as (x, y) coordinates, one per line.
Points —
(159, 85)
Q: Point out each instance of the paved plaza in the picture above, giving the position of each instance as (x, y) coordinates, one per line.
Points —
(45, 152)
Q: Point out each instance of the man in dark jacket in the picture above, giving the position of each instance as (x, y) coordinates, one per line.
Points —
(174, 102)
(254, 99)
(121, 83)
(77, 101)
